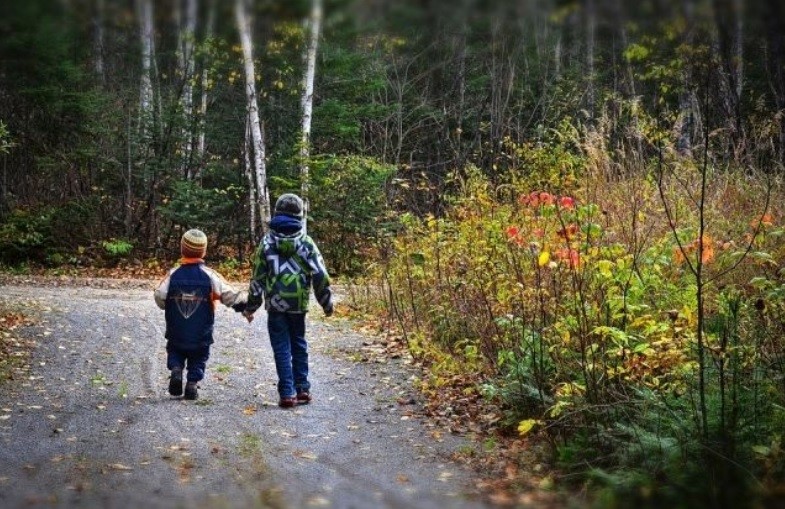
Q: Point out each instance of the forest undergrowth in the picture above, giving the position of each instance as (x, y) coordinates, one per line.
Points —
(608, 328)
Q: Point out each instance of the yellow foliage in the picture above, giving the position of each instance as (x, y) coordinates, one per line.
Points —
(525, 426)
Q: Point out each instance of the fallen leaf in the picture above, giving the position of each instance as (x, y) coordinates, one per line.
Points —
(304, 454)
(318, 501)
(445, 476)
(119, 466)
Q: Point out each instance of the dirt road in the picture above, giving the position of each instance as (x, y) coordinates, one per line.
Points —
(90, 424)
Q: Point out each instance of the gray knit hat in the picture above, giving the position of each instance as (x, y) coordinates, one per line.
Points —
(289, 204)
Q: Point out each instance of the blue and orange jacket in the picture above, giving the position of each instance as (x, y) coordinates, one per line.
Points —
(187, 295)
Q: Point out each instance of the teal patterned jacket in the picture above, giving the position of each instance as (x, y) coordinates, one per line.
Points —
(285, 269)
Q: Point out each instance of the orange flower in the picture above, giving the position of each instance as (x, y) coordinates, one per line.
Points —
(533, 199)
(708, 251)
(569, 255)
(707, 255)
(512, 232)
(766, 220)
(678, 255)
(547, 198)
(567, 202)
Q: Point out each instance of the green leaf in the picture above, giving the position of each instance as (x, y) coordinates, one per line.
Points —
(636, 52)
(417, 258)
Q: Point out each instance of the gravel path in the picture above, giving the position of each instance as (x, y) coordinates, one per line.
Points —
(91, 425)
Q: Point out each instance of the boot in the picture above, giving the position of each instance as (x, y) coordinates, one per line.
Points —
(176, 382)
(190, 391)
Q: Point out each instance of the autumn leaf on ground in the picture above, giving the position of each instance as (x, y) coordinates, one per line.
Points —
(249, 410)
(119, 466)
(445, 476)
(304, 454)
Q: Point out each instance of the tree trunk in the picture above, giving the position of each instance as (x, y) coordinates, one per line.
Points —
(257, 136)
(98, 41)
(185, 61)
(306, 100)
(591, 25)
(249, 175)
(129, 209)
(729, 32)
(145, 13)
(686, 120)
(775, 21)
(205, 83)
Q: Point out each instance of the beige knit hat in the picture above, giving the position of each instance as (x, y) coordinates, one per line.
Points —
(193, 244)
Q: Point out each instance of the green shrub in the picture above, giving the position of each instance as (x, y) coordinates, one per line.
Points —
(349, 213)
(211, 205)
(117, 248)
(588, 334)
(25, 235)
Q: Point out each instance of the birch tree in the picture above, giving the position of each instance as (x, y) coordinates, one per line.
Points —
(249, 174)
(185, 61)
(205, 85)
(257, 136)
(98, 40)
(145, 14)
(306, 100)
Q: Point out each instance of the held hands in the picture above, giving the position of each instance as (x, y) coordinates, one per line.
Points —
(240, 307)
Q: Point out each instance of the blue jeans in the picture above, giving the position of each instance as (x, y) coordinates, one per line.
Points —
(290, 350)
(196, 360)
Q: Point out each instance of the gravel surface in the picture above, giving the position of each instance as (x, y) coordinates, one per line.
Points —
(90, 424)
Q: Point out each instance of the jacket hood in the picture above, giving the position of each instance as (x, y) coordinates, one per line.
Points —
(286, 232)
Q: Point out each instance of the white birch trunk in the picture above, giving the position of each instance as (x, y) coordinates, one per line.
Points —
(257, 137)
(306, 100)
(145, 13)
(205, 83)
(249, 175)
(129, 209)
(98, 41)
(157, 119)
(185, 60)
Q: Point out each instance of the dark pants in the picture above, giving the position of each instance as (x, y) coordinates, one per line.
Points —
(290, 350)
(194, 359)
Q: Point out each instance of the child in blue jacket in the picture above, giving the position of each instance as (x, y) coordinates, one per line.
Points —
(187, 295)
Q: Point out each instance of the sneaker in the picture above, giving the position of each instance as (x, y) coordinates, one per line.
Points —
(287, 402)
(303, 397)
(176, 382)
(190, 391)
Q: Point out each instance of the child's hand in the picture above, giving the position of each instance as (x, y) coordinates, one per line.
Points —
(328, 311)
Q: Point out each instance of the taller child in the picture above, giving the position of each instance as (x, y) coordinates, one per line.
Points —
(286, 265)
